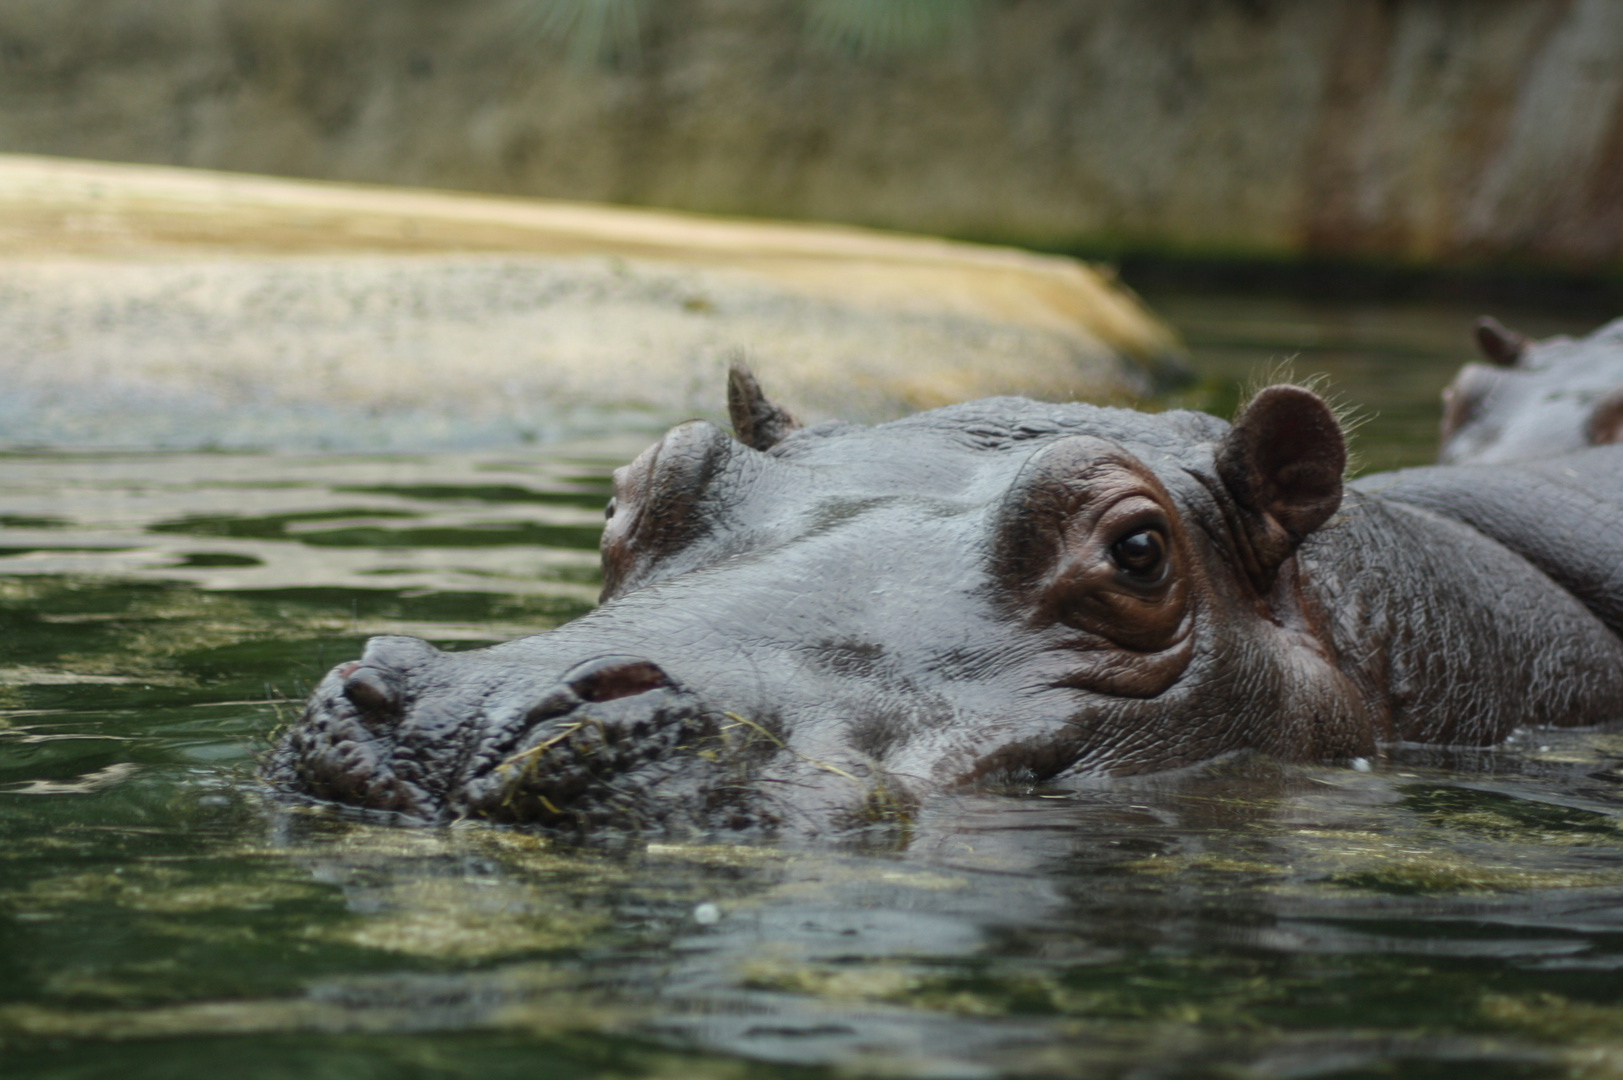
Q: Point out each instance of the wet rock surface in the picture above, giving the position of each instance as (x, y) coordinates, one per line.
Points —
(181, 309)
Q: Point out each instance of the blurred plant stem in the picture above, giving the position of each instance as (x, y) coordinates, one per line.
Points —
(594, 31)
(882, 27)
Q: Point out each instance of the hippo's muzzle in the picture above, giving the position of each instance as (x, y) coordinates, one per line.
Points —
(611, 740)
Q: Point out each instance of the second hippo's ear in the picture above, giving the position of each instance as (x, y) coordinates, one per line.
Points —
(1498, 343)
(1606, 420)
(756, 421)
(1282, 462)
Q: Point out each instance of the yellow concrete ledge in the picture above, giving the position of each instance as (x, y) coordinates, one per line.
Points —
(840, 321)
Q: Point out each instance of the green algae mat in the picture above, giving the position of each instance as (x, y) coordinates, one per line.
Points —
(162, 615)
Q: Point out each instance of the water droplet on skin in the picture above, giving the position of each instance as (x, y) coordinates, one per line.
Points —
(1360, 764)
(707, 914)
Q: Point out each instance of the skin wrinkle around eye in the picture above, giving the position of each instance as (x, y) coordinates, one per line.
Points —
(1088, 591)
(1113, 635)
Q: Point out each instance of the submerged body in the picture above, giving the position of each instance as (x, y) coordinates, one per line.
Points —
(813, 628)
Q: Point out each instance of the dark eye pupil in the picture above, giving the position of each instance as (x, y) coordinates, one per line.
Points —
(1140, 552)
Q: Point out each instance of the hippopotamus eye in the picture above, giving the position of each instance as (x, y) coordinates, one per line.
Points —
(1141, 554)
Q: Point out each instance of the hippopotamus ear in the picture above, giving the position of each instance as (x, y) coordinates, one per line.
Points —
(1282, 462)
(756, 421)
(1499, 344)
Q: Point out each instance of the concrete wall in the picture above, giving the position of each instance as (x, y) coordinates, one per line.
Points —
(1451, 130)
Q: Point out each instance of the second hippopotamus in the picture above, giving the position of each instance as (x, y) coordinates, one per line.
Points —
(813, 628)
(1534, 399)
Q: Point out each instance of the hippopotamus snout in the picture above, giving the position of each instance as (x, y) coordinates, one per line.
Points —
(392, 732)
(589, 751)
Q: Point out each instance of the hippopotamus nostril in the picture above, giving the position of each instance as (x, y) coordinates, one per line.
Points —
(372, 691)
(560, 701)
(376, 683)
(611, 677)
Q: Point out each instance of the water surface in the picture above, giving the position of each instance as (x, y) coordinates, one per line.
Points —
(162, 615)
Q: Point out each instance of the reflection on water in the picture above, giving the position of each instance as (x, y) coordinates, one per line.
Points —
(162, 615)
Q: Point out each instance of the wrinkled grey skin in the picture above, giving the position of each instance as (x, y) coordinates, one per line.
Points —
(815, 630)
(1534, 399)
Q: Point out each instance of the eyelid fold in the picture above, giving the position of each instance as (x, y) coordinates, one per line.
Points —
(1072, 502)
(1053, 485)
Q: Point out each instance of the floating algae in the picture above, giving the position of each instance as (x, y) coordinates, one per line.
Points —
(1441, 874)
(468, 920)
(160, 888)
(1555, 1018)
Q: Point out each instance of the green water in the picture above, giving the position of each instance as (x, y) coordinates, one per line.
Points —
(162, 615)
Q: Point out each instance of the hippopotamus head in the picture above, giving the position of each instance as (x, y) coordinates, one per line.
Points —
(1534, 399)
(807, 626)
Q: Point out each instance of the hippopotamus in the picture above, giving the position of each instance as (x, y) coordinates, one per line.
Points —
(1534, 399)
(820, 627)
